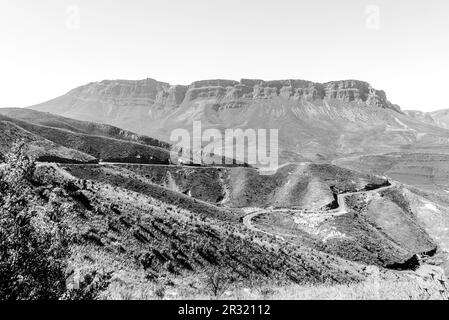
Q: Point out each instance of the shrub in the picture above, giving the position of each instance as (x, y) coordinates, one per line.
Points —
(217, 281)
(33, 251)
(159, 291)
(170, 267)
(89, 286)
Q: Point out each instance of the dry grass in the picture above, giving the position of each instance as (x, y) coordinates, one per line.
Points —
(381, 285)
(367, 290)
(406, 289)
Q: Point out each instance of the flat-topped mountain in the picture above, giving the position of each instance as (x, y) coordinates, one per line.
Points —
(316, 121)
(152, 93)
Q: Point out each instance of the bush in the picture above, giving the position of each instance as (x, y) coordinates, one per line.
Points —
(217, 281)
(33, 251)
(89, 286)
(159, 291)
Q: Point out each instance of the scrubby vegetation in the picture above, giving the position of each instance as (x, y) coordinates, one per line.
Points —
(106, 232)
(33, 248)
(128, 224)
(36, 146)
(374, 288)
(90, 128)
(381, 229)
(307, 185)
(55, 143)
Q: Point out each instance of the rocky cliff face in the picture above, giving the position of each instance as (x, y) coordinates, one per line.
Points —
(151, 92)
(131, 92)
(347, 91)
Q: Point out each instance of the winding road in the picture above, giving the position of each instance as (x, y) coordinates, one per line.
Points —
(342, 209)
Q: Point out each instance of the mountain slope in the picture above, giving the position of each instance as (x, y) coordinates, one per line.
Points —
(295, 185)
(55, 138)
(438, 118)
(140, 238)
(315, 121)
(38, 147)
(375, 227)
(76, 126)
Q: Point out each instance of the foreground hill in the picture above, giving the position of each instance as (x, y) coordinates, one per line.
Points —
(140, 236)
(368, 226)
(426, 176)
(129, 238)
(315, 120)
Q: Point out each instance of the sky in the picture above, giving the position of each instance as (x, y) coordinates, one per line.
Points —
(49, 47)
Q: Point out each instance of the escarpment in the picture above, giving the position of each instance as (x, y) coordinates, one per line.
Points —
(149, 92)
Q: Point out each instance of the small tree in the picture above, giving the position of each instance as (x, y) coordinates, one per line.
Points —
(217, 281)
(32, 248)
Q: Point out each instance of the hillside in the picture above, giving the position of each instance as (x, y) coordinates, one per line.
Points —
(103, 142)
(315, 121)
(375, 228)
(59, 139)
(132, 238)
(76, 126)
(354, 232)
(295, 185)
(426, 177)
(438, 118)
(38, 147)
(138, 240)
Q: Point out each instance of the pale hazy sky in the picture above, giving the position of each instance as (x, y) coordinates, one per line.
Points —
(45, 50)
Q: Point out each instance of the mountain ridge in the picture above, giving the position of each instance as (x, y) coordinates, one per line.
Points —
(165, 93)
(55, 138)
(316, 122)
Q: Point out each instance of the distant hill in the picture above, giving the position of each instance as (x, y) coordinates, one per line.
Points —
(438, 118)
(316, 121)
(55, 138)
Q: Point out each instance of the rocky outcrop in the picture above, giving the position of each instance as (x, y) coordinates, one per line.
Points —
(347, 91)
(131, 92)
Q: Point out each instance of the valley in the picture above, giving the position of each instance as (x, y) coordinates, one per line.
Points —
(232, 150)
(347, 232)
(360, 192)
